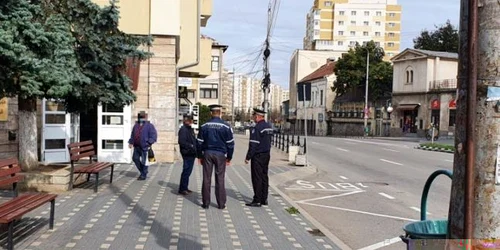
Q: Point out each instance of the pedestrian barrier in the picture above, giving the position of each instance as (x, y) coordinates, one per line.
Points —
(284, 141)
(430, 233)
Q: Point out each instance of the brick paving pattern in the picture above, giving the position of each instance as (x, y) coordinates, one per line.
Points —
(131, 214)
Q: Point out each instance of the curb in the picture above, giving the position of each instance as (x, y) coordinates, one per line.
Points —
(338, 243)
(435, 149)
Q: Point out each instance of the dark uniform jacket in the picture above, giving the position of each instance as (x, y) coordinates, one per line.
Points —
(187, 141)
(260, 139)
(216, 136)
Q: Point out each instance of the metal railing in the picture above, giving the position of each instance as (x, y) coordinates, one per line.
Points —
(443, 84)
(283, 141)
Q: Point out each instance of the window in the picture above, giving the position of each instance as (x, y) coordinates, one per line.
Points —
(316, 22)
(321, 97)
(112, 144)
(409, 75)
(353, 13)
(379, 13)
(341, 13)
(453, 115)
(341, 33)
(390, 44)
(378, 23)
(366, 23)
(365, 33)
(391, 34)
(367, 13)
(390, 54)
(328, 3)
(340, 43)
(55, 143)
(392, 14)
(353, 33)
(215, 63)
(353, 22)
(352, 43)
(392, 24)
(377, 44)
(341, 22)
(209, 93)
(55, 118)
(191, 94)
(377, 33)
(365, 43)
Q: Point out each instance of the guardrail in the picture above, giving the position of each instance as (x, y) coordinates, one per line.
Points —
(283, 141)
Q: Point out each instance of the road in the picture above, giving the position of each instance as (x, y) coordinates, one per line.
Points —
(367, 190)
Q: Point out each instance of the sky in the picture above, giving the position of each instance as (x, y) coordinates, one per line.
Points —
(242, 25)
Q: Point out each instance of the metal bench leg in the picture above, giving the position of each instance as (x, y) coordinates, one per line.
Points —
(88, 177)
(112, 170)
(96, 182)
(10, 239)
(52, 211)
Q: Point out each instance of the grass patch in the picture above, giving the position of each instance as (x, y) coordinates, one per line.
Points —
(437, 145)
(292, 210)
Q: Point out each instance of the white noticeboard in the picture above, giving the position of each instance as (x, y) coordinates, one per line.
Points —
(185, 82)
(497, 167)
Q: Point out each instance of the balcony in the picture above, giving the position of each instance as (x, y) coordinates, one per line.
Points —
(446, 84)
(203, 69)
(206, 11)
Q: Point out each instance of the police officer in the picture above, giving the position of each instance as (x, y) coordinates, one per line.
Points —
(216, 147)
(259, 153)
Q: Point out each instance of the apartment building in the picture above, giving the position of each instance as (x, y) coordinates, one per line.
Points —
(285, 95)
(337, 25)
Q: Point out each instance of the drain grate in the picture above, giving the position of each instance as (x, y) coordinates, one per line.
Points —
(316, 232)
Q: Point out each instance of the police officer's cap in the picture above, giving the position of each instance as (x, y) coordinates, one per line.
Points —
(259, 112)
(215, 107)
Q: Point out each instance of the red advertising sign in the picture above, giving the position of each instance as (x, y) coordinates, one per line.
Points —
(435, 104)
(453, 104)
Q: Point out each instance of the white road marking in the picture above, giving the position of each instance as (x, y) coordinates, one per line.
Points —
(418, 210)
(381, 244)
(343, 177)
(395, 163)
(313, 142)
(360, 212)
(328, 197)
(376, 143)
(315, 189)
(352, 143)
(449, 160)
(361, 185)
(387, 196)
(341, 149)
(392, 150)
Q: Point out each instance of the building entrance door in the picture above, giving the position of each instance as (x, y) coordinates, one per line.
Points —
(58, 130)
(114, 126)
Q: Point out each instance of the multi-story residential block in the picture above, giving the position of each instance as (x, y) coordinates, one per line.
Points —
(285, 95)
(424, 92)
(227, 94)
(337, 25)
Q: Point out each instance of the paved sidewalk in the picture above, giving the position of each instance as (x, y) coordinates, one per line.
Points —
(131, 214)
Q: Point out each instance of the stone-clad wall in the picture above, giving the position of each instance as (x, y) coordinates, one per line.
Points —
(158, 99)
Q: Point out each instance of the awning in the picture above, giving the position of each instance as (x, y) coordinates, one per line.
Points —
(407, 106)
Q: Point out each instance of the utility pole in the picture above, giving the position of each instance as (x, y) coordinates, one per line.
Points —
(267, 52)
(366, 90)
(474, 207)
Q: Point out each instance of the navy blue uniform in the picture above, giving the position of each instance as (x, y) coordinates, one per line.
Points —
(215, 147)
(187, 144)
(259, 153)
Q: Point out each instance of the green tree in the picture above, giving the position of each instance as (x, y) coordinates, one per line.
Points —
(204, 114)
(68, 50)
(444, 38)
(350, 71)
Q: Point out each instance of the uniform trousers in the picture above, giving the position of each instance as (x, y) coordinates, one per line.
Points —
(213, 160)
(260, 179)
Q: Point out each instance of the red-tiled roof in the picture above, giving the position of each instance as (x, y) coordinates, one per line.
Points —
(325, 70)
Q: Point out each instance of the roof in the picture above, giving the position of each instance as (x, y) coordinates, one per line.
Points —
(215, 43)
(428, 53)
(325, 70)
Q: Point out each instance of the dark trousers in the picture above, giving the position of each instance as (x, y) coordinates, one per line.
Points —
(139, 158)
(260, 178)
(211, 161)
(187, 169)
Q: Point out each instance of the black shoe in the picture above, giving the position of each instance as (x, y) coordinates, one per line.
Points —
(264, 203)
(205, 206)
(141, 178)
(189, 191)
(254, 204)
(222, 207)
(183, 192)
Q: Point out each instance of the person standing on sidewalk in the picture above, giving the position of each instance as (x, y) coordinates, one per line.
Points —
(259, 153)
(187, 144)
(215, 149)
(143, 136)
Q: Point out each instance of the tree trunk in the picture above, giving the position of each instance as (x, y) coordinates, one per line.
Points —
(487, 194)
(457, 201)
(28, 143)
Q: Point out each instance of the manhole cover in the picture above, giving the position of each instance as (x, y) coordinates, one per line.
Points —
(316, 232)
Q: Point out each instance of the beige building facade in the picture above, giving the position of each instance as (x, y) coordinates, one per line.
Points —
(337, 25)
(424, 92)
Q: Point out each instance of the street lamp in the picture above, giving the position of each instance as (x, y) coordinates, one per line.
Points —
(366, 90)
(389, 111)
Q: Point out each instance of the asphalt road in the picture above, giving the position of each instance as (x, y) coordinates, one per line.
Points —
(367, 190)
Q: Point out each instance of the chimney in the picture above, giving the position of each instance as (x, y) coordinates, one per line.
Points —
(330, 59)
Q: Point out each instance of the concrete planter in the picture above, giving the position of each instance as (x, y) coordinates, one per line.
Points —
(51, 178)
(292, 153)
(300, 160)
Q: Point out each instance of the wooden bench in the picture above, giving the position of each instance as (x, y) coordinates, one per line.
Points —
(81, 150)
(14, 209)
